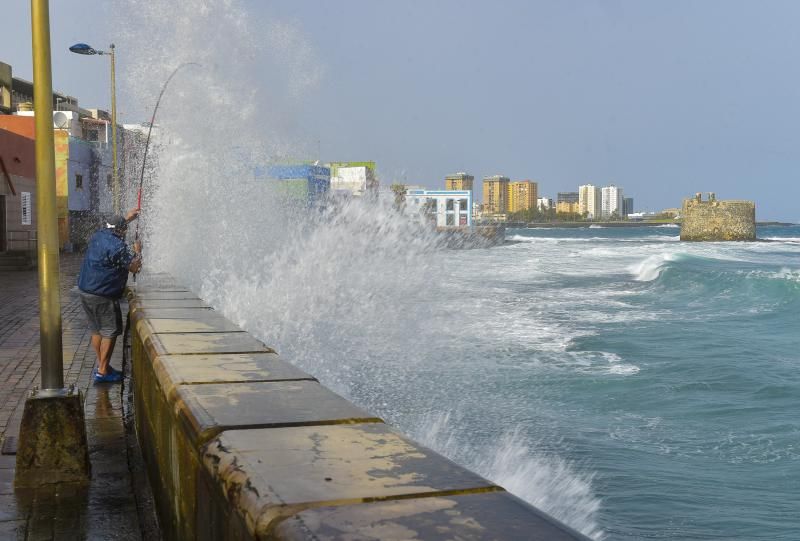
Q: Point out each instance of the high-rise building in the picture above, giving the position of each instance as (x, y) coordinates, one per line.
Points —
(495, 194)
(589, 201)
(611, 201)
(522, 195)
(567, 202)
(627, 206)
(459, 181)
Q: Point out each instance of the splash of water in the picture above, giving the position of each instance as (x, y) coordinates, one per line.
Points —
(544, 480)
(322, 288)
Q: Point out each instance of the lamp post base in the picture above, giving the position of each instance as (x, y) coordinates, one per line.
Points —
(52, 445)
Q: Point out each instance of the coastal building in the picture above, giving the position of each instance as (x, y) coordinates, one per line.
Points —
(17, 189)
(544, 204)
(589, 201)
(611, 205)
(522, 195)
(353, 178)
(460, 181)
(83, 162)
(83, 170)
(495, 194)
(627, 206)
(445, 208)
(567, 202)
(303, 183)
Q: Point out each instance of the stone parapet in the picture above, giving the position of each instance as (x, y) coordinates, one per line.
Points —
(240, 444)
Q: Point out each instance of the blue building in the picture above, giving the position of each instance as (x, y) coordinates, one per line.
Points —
(309, 183)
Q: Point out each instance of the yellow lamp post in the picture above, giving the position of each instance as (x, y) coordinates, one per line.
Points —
(52, 436)
(82, 48)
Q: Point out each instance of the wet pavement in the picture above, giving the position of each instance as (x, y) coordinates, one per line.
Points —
(116, 504)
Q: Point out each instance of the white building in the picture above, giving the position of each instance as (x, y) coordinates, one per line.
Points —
(589, 201)
(451, 208)
(353, 180)
(611, 201)
(544, 203)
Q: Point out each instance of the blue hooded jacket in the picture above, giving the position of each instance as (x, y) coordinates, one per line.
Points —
(105, 267)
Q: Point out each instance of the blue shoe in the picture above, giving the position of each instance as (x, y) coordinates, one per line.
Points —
(111, 377)
(112, 370)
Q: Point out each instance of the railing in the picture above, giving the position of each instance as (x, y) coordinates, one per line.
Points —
(21, 241)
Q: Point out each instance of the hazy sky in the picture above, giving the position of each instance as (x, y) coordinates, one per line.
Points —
(661, 98)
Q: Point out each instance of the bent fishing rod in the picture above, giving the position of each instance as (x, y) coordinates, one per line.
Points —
(147, 142)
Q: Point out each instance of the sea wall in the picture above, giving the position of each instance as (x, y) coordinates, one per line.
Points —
(713, 220)
(240, 444)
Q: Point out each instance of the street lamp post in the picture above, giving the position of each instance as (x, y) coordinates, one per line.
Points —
(52, 436)
(83, 48)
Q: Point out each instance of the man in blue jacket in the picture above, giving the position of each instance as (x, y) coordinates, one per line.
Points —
(102, 280)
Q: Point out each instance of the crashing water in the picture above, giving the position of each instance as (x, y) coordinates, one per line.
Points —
(594, 373)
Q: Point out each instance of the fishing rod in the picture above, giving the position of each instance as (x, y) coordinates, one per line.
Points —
(147, 142)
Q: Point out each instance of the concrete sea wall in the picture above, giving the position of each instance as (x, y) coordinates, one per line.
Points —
(714, 220)
(240, 444)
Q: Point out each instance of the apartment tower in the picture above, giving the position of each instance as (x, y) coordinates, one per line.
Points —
(611, 201)
(495, 194)
(522, 195)
(589, 201)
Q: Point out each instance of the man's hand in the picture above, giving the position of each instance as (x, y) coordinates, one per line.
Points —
(137, 247)
(136, 264)
(132, 215)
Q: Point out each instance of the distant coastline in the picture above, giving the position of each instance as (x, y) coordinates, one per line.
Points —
(533, 225)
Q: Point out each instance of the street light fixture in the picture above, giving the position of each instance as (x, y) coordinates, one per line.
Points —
(85, 49)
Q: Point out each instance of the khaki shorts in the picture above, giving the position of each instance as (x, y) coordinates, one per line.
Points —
(103, 315)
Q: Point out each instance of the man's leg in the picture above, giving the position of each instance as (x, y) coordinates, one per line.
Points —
(96, 345)
(104, 358)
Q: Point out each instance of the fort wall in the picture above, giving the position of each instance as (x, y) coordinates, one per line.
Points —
(713, 220)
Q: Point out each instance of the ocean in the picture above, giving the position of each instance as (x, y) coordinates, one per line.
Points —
(629, 384)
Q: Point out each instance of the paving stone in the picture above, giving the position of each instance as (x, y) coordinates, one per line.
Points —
(63, 513)
(169, 303)
(277, 472)
(496, 516)
(212, 408)
(227, 367)
(198, 343)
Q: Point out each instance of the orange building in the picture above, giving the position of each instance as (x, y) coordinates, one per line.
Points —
(522, 195)
(17, 184)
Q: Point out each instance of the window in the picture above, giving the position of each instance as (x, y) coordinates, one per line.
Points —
(92, 136)
(462, 205)
(78, 182)
(451, 219)
(450, 204)
(26, 208)
(108, 181)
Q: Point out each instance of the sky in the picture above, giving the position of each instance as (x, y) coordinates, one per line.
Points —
(663, 99)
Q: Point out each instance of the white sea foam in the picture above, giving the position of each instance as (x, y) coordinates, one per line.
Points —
(652, 267)
(357, 297)
(540, 477)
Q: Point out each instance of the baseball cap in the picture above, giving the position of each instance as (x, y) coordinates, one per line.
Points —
(117, 221)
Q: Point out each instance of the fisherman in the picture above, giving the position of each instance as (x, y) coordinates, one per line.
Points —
(102, 280)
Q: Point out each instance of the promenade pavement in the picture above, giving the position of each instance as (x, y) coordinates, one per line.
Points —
(116, 504)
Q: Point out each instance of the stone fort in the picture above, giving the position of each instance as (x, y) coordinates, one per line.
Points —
(713, 220)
